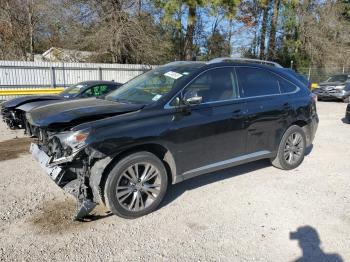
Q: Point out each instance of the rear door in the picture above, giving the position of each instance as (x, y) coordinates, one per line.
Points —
(267, 108)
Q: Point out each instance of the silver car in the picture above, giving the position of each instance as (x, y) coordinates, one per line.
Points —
(337, 87)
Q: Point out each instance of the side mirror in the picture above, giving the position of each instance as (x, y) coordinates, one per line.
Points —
(192, 98)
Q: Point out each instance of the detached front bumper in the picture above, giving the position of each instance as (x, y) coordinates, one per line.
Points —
(43, 159)
(73, 185)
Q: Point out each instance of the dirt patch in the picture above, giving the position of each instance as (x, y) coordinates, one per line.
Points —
(56, 217)
(11, 149)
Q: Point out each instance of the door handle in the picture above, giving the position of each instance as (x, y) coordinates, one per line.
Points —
(237, 113)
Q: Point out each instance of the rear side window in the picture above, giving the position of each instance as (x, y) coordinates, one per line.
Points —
(286, 86)
(257, 82)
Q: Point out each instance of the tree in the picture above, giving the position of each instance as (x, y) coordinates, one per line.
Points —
(217, 46)
(272, 37)
(309, 32)
(255, 14)
(265, 18)
(192, 7)
(18, 21)
(315, 34)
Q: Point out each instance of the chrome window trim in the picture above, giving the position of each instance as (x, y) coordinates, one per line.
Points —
(168, 106)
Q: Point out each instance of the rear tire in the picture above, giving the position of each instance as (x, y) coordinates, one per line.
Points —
(136, 185)
(291, 150)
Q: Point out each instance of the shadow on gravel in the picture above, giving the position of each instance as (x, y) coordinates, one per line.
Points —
(174, 191)
(56, 217)
(345, 121)
(11, 149)
(309, 242)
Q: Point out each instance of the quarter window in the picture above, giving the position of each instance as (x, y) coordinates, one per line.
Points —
(286, 86)
(215, 85)
(257, 82)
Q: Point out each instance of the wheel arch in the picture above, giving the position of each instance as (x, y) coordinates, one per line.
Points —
(301, 123)
(159, 150)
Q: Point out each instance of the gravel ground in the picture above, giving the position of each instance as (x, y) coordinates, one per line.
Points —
(253, 212)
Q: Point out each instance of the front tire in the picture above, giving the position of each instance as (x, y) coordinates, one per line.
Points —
(136, 185)
(291, 150)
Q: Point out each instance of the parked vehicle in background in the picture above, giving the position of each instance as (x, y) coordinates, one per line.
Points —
(337, 87)
(13, 111)
(170, 124)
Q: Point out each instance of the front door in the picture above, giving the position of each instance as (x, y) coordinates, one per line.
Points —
(212, 132)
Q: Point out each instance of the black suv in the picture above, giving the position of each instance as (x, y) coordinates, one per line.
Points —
(170, 124)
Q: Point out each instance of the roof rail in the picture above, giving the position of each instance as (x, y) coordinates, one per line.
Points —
(180, 62)
(248, 60)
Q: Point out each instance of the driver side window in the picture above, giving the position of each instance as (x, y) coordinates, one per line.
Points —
(214, 85)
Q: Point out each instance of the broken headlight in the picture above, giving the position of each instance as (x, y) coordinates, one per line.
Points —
(74, 140)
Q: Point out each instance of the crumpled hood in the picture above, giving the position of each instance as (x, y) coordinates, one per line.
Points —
(27, 99)
(74, 112)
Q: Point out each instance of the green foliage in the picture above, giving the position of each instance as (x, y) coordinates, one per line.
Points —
(346, 13)
(217, 46)
(182, 33)
(308, 32)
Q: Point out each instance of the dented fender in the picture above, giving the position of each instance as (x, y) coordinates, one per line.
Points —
(95, 181)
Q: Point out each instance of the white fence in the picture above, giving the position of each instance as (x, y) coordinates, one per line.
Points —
(19, 74)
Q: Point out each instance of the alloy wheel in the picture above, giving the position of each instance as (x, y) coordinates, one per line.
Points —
(293, 149)
(138, 186)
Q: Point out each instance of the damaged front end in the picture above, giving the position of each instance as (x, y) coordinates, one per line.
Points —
(72, 165)
(13, 118)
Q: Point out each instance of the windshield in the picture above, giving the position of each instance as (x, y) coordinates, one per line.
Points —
(153, 85)
(338, 78)
(73, 90)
